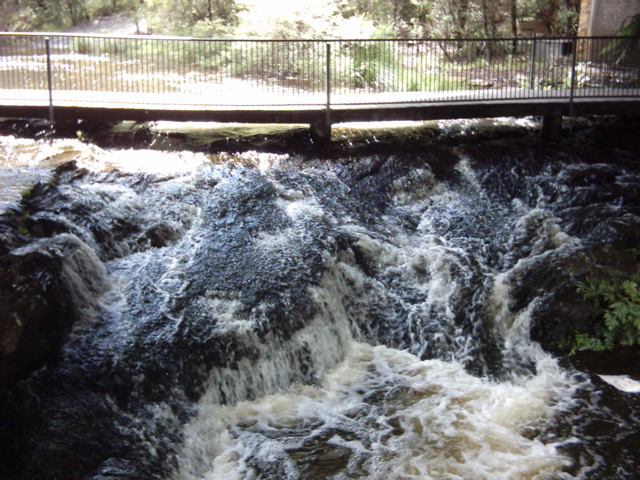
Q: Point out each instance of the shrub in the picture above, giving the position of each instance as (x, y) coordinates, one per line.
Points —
(616, 321)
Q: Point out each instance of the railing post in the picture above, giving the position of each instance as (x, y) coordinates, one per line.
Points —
(572, 87)
(532, 67)
(328, 80)
(49, 80)
(321, 133)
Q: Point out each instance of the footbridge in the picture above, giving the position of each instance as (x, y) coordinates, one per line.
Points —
(66, 78)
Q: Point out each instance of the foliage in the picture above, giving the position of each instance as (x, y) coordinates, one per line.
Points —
(371, 66)
(560, 15)
(619, 48)
(302, 18)
(52, 15)
(463, 18)
(193, 18)
(616, 303)
(374, 66)
(631, 29)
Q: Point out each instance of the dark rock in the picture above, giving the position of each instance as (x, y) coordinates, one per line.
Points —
(622, 361)
(552, 279)
(48, 285)
(96, 396)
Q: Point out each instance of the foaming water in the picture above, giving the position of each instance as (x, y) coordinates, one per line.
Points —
(251, 316)
(384, 413)
(25, 153)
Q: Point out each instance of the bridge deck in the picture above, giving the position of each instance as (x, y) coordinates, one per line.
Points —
(108, 77)
(263, 107)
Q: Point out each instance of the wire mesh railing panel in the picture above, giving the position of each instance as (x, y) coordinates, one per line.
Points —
(23, 64)
(145, 70)
(607, 66)
(451, 70)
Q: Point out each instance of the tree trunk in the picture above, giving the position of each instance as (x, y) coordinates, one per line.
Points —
(514, 23)
(485, 19)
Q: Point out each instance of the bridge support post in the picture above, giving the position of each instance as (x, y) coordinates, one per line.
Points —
(66, 127)
(552, 127)
(320, 133)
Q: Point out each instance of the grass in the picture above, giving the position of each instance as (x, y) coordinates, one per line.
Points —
(364, 66)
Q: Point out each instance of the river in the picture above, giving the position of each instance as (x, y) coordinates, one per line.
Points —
(250, 306)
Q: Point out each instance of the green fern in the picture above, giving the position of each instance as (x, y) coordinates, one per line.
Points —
(616, 322)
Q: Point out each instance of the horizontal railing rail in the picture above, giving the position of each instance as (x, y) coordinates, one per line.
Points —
(148, 70)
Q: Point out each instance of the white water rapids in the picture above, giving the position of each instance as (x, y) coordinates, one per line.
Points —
(397, 416)
(414, 363)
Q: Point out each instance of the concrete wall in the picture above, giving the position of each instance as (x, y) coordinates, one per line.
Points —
(604, 17)
(584, 24)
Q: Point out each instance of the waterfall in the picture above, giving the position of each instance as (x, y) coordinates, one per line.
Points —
(259, 316)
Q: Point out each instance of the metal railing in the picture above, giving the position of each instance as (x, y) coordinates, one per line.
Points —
(146, 70)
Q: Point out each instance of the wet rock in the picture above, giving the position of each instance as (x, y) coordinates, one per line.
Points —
(221, 272)
(95, 126)
(207, 305)
(30, 128)
(108, 134)
(622, 361)
(559, 311)
(104, 210)
(605, 420)
(48, 285)
(87, 436)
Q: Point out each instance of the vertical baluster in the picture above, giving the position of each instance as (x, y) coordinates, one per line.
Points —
(143, 55)
(93, 78)
(161, 48)
(328, 116)
(49, 78)
(118, 72)
(532, 67)
(574, 54)
(131, 68)
(5, 79)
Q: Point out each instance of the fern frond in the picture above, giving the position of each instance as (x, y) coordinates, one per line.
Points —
(611, 320)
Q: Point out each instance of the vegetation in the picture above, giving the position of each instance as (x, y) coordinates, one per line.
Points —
(194, 18)
(365, 66)
(301, 18)
(619, 48)
(54, 15)
(616, 321)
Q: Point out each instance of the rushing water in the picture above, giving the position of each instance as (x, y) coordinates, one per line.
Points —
(361, 314)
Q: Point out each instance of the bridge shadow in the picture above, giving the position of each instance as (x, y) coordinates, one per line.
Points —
(296, 140)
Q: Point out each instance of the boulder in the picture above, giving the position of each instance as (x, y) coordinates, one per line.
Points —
(47, 286)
